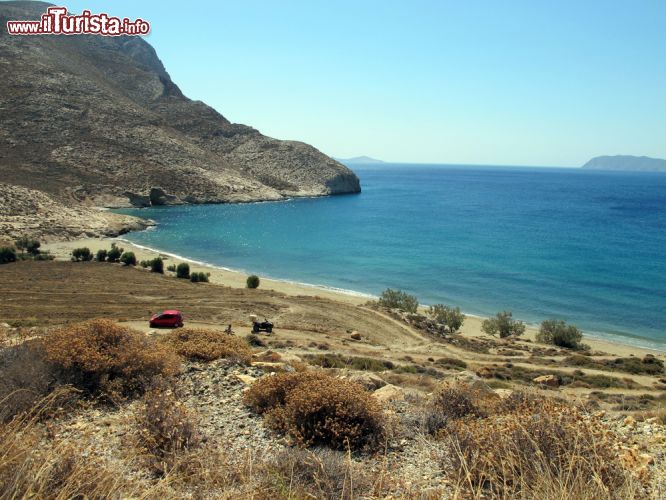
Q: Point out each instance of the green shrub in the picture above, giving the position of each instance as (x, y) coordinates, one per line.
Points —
(183, 271)
(317, 409)
(82, 254)
(43, 256)
(397, 299)
(199, 277)
(114, 254)
(144, 263)
(171, 268)
(252, 281)
(128, 258)
(353, 362)
(7, 255)
(157, 265)
(452, 363)
(28, 245)
(557, 332)
(451, 317)
(503, 325)
(101, 255)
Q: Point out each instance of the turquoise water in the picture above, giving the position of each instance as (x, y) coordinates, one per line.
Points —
(585, 246)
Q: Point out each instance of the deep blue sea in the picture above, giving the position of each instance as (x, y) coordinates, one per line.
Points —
(585, 246)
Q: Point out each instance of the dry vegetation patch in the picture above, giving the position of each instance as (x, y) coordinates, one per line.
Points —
(167, 429)
(207, 345)
(536, 447)
(101, 357)
(315, 408)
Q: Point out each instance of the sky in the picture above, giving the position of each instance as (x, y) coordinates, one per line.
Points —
(535, 82)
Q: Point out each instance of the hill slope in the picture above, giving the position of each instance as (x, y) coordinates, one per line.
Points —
(99, 119)
(626, 162)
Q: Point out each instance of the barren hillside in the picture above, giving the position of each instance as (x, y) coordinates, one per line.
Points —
(99, 119)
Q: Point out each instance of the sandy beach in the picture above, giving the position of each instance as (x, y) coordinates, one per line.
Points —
(235, 279)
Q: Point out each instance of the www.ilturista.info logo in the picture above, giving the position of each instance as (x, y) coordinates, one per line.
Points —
(56, 21)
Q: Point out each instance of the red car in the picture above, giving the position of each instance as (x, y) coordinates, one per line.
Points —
(171, 318)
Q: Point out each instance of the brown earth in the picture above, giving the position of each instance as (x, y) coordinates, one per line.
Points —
(54, 292)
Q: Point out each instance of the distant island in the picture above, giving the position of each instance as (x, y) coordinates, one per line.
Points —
(359, 159)
(626, 162)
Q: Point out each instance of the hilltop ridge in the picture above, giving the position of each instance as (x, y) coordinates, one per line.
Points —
(98, 120)
(626, 162)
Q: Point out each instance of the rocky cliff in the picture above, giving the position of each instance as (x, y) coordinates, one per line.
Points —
(626, 162)
(98, 120)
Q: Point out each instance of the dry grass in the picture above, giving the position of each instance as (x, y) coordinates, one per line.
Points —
(532, 447)
(317, 409)
(103, 358)
(27, 471)
(208, 345)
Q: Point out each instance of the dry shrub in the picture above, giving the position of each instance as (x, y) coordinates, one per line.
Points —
(450, 402)
(101, 357)
(208, 345)
(166, 429)
(317, 409)
(25, 378)
(536, 448)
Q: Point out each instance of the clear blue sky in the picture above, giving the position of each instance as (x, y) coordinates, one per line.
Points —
(488, 82)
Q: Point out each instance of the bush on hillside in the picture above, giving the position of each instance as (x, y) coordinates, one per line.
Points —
(171, 268)
(560, 334)
(28, 245)
(503, 325)
(532, 447)
(26, 377)
(101, 357)
(7, 255)
(207, 345)
(451, 317)
(157, 265)
(449, 402)
(252, 281)
(128, 259)
(397, 299)
(100, 256)
(183, 271)
(199, 277)
(82, 254)
(166, 429)
(317, 409)
(114, 254)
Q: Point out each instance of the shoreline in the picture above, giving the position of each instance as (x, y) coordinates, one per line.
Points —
(221, 275)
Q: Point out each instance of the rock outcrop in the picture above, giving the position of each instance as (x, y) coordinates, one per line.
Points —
(98, 119)
(27, 212)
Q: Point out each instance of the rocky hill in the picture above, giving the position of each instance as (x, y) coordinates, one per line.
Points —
(626, 162)
(29, 212)
(98, 120)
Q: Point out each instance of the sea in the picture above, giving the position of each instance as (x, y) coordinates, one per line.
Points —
(585, 246)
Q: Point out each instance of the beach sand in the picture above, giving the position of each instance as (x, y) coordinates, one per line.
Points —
(471, 327)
